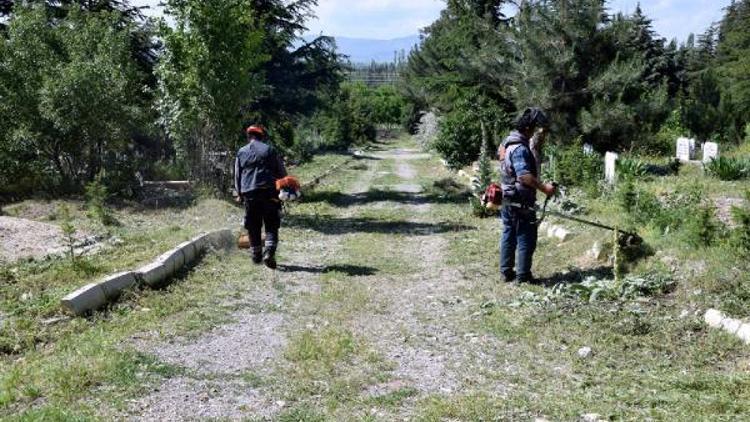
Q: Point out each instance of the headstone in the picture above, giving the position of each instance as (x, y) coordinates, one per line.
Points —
(686, 149)
(588, 149)
(610, 164)
(710, 151)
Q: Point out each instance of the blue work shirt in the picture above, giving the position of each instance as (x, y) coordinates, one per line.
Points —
(518, 162)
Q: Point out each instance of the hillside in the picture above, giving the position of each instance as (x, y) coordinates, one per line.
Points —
(362, 50)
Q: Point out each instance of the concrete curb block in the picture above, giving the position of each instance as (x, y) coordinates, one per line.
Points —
(316, 180)
(85, 299)
(717, 319)
(114, 285)
(555, 232)
(156, 274)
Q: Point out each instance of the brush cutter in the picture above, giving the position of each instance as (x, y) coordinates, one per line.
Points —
(626, 239)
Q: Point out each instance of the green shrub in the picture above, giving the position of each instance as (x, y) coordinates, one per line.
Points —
(631, 168)
(571, 167)
(702, 229)
(459, 138)
(728, 168)
(96, 198)
(666, 213)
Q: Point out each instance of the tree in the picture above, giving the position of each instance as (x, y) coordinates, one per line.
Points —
(212, 64)
(70, 94)
(733, 60)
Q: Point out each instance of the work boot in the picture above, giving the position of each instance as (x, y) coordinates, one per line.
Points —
(527, 279)
(509, 276)
(269, 257)
(257, 255)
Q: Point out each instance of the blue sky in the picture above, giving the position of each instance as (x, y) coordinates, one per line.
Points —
(386, 19)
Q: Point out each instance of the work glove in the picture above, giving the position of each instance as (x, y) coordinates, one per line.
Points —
(549, 189)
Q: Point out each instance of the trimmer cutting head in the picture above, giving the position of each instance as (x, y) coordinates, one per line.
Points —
(630, 240)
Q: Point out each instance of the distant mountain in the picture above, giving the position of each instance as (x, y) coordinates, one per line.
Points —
(362, 50)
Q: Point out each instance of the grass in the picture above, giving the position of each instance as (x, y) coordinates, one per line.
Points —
(653, 358)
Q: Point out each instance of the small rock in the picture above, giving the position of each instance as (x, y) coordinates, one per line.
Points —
(597, 252)
(684, 314)
(744, 333)
(713, 318)
(591, 417)
(26, 297)
(563, 234)
(281, 403)
(541, 420)
(730, 325)
(585, 352)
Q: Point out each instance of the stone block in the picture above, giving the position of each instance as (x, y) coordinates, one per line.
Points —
(188, 252)
(153, 274)
(730, 325)
(85, 299)
(201, 243)
(221, 239)
(114, 285)
(551, 231)
(714, 318)
(173, 262)
(744, 333)
(562, 234)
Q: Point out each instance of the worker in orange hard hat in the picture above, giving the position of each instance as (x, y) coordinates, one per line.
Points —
(257, 168)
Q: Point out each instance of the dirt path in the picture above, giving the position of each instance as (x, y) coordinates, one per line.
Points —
(367, 269)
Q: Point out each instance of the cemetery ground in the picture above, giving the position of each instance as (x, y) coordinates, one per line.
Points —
(388, 305)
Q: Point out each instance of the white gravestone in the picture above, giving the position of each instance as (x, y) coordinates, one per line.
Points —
(588, 149)
(710, 151)
(610, 164)
(684, 150)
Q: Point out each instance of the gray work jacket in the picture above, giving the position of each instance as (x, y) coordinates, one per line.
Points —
(258, 166)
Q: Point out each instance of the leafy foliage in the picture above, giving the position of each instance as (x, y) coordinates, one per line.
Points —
(666, 213)
(72, 98)
(593, 289)
(729, 168)
(572, 167)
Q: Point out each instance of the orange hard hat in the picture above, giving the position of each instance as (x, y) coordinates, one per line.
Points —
(256, 130)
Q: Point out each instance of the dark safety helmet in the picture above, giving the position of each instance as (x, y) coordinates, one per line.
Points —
(532, 118)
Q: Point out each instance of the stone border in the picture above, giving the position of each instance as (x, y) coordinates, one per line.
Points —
(316, 180)
(156, 274)
(717, 319)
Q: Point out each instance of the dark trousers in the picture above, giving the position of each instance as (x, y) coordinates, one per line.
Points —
(519, 235)
(263, 208)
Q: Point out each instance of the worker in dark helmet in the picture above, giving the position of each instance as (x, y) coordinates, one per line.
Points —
(520, 183)
(257, 168)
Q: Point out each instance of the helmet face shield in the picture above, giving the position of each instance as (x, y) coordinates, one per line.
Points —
(532, 118)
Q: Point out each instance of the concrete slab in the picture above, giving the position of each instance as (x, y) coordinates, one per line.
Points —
(153, 274)
(744, 333)
(714, 318)
(222, 239)
(201, 242)
(188, 251)
(85, 299)
(114, 285)
(173, 262)
(562, 234)
(732, 326)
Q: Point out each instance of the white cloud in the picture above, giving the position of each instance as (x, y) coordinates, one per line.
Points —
(381, 19)
(386, 19)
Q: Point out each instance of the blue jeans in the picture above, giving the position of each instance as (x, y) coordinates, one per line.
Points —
(519, 232)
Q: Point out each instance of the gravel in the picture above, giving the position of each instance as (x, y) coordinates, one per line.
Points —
(23, 239)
